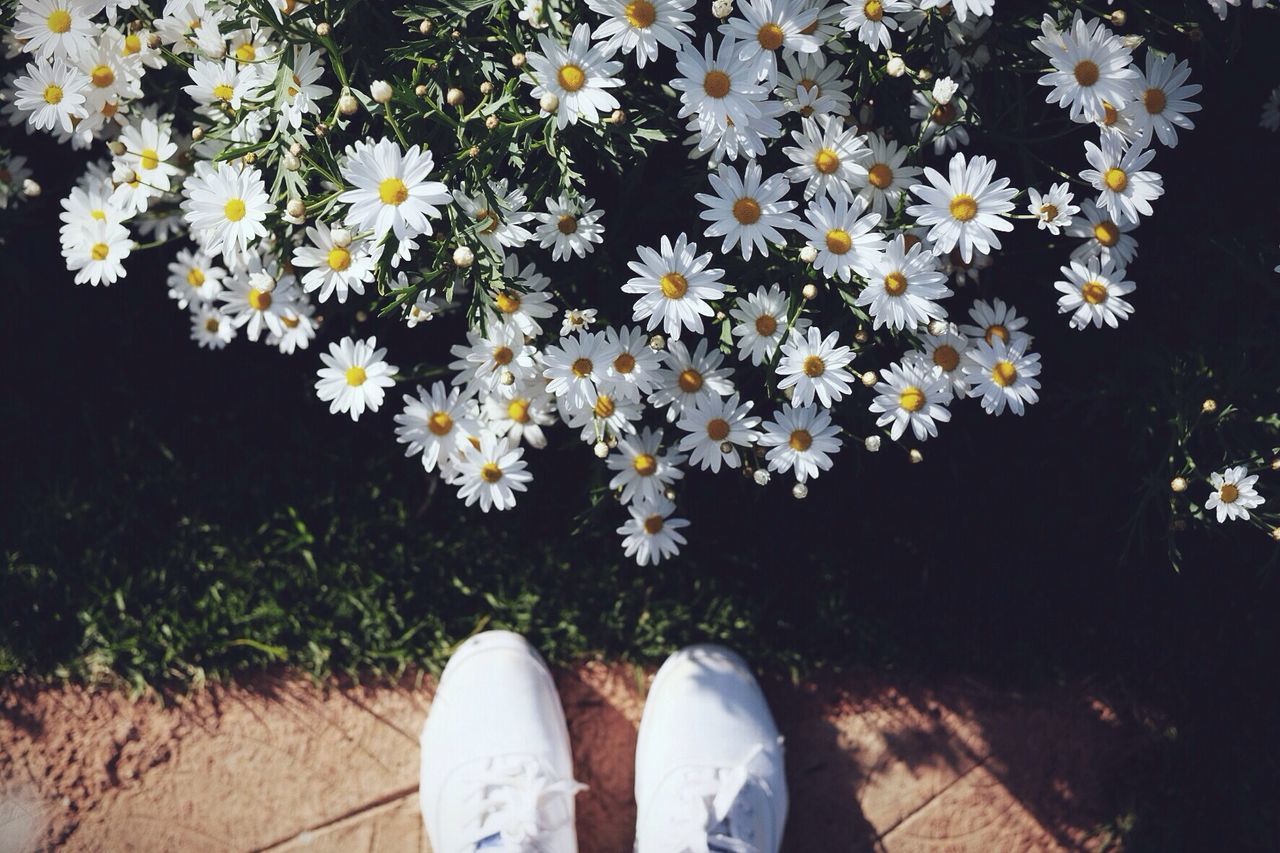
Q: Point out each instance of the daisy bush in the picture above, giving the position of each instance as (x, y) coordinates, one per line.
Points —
(696, 238)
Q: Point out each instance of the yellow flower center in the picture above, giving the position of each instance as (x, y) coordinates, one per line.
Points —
(571, 78)
(1109, 114)
(1086, 72)
(838, 241)
(673, 285)
(503, 355)
(489, 218)
(507, 302)
(1048, 212)
(102, 76)
(604, 407)
(995, 330)
(895, 283)
(639, 13)
(339, 259)
(99, 251)
(814, 366)
(716, 83)
(566, 224)
(880, 176)
(490, 472)
(1004, 373)
(223, 92)
(518, 411)
(1228, 493)
(233, 209)
(653, 525)
(259, 300)
(943, 114)
(644, 464)
(132, 44)
(911, 399)
(392, 191)
(109, 108)
(1107, 233)
(148, 159)
(246, 52)
(1094, 292)
(624, 363)
(195, 277)
(963, 207)
(290, 322)
(689, 380)
(769, 36)
(53, 94)
(826, 161)
(355, 376)
(59, 21)
(439, 423)
(211, 325)
(800, 440)
(873, 10)
(746, 211)
(717, 429)
(1115, 179)
(946, 357)
(582, 367)
(766, 325)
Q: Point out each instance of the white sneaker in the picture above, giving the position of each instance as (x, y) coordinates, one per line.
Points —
(709, 773)
(497, 772)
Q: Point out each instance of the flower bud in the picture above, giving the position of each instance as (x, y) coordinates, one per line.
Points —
(116, 147)
(761, 476)
(517, 60)
(491, 122)
(295, 149)
(463, 257)
(454, 97)
(915, 456)
(341, 237)
(895, 67)
(722, 8)
(323, 29)
(507, 378)
(380, 91)
(809, 291)
(808, 254)
(618, 116)
(296, 208)
(486, 87)
(197, 133)
(937, 327)
(861, 336)
(291, 162)
(601, 450)
(549, 102)
(420, 90)
(1178, 484)
(868, 378)
(262, 281)
(800, 491)
(1209, 406)
(657, 342)
(30, 188)
(424, 27)
(347, 104)
(944, 90)
(872, 444)
(1118, 18)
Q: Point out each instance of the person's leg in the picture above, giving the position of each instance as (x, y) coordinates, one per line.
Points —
(497, 772)
(709, 772)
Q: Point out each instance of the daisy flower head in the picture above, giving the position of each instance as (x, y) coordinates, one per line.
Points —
(1163, 101)
(911, 395)
(1053, 210)
(903, 286)
(491, 473)
(1125, 187)
(812, 365)
(765, 29)
(716, 88)
(1002, 375)
(607, 416)
(298, 326)
(645, 471)
(887, 176)
(747, 211)
(334, 266)
(484, 362)
(674, 286)
(85, 205)
(730, 141)
(302, 96)
(761, 323)
(1233, 494)
(941, 124)
(522, 416)
(148, 147)
(209, 329)
(812, 87)
(497, 216)
(996, 320)
(944, 354)
(217, 86)
(716, 428)
(56, 29)
(252, 298)
(98, 254)
(688, 379)
(575, 367)
(800, 439)
(828, 158)
(52, 94)
(435, 423)
(577, 74)
(577, 320)
(526, 301)
(964, 209)
(390, 191)
(1092, 68)
(194, 279)
(651, 534)
(872, 20)
(225, 206)
(354, 377)
(1104, 237)
(640, 26)
(634, 367)
(843, 235)
(570, 227)
(1093, 294)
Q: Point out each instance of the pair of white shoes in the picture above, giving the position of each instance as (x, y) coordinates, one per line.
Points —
(497, 771)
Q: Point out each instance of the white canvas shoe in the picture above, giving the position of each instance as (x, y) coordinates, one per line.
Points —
(709, 773)
(497, 772)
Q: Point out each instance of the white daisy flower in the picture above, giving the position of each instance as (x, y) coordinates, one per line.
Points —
(651, 534)
(52, 94)
(217, 85)
(194, 279)
(436, 424)
(729, 141)
(147, 149)
(1093, 294)
(762, 323)
(911, 395)
(765, 29)
(1233, 494)
(843, 235)
(522, 416)
(56, 29)
(577, 320)
(812, 87)
(570, 226)
(716, 427)
(209, 329)
(86, 205)
(332, 268)
(299, 327)
(605, 417)
(870, 19)
(1002, 374)
(578, 75)
(1163, 98)
(965, 209)
(492, 473)
(303, 94)
(944, 354)
(391, 192)
(674, 286)
(800, 439)
(99, 252)
(249, 300)
(815, 366)
(634, 368)
(225, 207)
(644, 470)
(828, 158)
(747, 211)
(963, 8)
(1053, 210)
(1125, 188)
(113, 77)
(639, 26)
(354, 376)
(497, 216)
(484, 361)
(940, 124)
(1121, 124)
(903, 286)
(1104, 237)
(994, 321)
(1092, 66)
(688, 379)
(716, 88)
(526, 301)
(575, 368)
(887, 177)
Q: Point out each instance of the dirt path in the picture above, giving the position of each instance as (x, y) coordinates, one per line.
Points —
(277, 763)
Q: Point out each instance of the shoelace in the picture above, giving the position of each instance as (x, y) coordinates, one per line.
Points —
(702, 825)
(514, 792)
